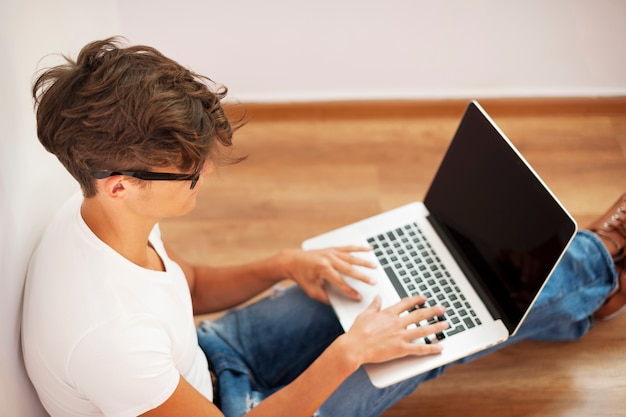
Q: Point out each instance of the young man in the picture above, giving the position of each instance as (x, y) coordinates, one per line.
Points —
(108, 325)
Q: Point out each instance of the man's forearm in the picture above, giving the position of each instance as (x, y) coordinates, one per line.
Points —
(219, 288)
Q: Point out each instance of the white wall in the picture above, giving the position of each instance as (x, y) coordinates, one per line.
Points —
(281, 50)
(277, 50)
(32, 182)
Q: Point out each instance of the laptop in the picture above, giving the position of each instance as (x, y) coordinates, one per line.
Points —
(483, 242)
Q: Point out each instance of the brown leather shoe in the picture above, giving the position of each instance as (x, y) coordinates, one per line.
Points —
(616, 301)
(611, 228)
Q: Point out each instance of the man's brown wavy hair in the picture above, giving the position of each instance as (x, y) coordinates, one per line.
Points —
(129, 108)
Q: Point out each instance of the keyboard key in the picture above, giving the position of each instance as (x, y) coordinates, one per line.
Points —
(396, 284)
(468, 322)
(456, 330)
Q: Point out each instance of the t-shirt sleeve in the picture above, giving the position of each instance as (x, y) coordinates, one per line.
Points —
(125, 367)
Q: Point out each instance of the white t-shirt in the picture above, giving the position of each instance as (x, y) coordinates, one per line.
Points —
(103, 336)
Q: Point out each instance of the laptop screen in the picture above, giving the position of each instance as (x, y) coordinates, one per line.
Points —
(497, 216)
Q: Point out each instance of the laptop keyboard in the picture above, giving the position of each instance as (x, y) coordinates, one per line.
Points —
(414, 268)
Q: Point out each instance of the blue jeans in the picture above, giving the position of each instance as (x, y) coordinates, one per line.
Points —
(260, 348)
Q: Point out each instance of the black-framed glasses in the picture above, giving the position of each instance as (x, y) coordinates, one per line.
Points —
(151, 176)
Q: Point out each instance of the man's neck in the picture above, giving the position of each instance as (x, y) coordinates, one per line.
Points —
(123, 231)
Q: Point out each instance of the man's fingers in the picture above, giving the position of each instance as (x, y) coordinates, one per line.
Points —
(407, 303)
(375, 304)
(347, 269)
(419, 314)
(347, 257)
(420, 332)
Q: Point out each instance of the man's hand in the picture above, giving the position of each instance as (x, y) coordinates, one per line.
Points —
(381, 335)
(311, 269)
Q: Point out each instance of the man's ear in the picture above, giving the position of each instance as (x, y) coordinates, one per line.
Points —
(114, 187)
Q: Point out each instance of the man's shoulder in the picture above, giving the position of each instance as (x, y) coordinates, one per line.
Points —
(62, 226)
(63, 244)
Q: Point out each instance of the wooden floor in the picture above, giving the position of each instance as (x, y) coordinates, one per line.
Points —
(314, 167)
